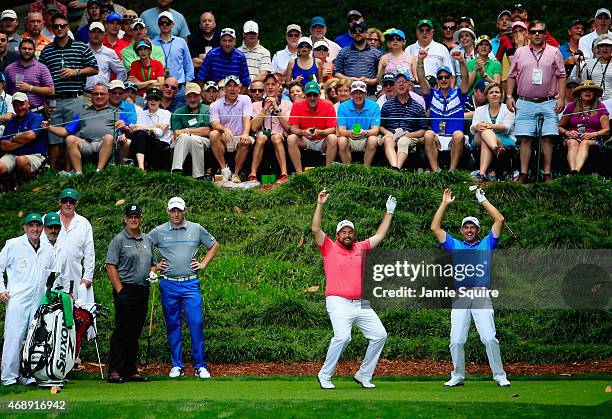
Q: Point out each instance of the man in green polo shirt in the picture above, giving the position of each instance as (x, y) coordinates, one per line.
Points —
(191, 126)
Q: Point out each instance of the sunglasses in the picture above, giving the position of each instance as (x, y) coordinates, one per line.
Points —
(164, 23)
(293, 35)
(153, 99)
(449, 28)
(68, 201)
(321, 49)
(353, 19)
(374, 39)
(444, 77)
(167, 86)
(304, 45)
(60, 25)
(256, 90)
(388, 84)
(537, 31)
(394, 38)
(311, 94)
(358, 30)
(54, 227)
(117, 92)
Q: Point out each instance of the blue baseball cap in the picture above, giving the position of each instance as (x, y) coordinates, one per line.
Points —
(481, 85)
(113, 16)
(398, 32)
(317, 20)
(142, 43)
(444, 68)
(405, 74)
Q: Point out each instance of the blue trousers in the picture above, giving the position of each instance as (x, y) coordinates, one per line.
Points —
(177, 297)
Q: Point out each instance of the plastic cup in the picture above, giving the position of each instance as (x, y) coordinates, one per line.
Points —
(18, 78)
(356, 129)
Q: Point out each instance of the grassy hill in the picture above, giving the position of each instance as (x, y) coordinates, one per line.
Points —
(255, 298)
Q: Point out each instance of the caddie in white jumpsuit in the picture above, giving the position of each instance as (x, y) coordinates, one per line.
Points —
(474, 250)
(27, 262)
(343, 261)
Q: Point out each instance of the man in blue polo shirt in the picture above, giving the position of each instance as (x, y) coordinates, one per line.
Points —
(224, 61)
(474, 250)
(179, 242)
(446, 108)
(353, 17)
(23, 145)
(358, 124)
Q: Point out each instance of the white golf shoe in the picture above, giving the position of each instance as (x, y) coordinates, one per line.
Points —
(504, 383)
(454, 382)
(325, 383)
(365, 383)
(176, 372)
(202, 373)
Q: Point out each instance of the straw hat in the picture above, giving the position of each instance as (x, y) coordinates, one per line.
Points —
(588, 85)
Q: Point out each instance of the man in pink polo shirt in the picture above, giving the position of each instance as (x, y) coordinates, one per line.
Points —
(538, 72)
(343, 261)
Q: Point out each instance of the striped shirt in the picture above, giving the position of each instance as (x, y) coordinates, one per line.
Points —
(75, 55)
(258, 59)
(353, 62)
(395, 114)
(35, 74)
(217, 65)
(448, 109)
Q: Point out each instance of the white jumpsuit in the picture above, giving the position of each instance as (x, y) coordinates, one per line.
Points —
(27, 271)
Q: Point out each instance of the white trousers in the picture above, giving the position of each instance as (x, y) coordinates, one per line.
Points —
(20, 309)
(343, 314)
(190, 144)
(461, 320)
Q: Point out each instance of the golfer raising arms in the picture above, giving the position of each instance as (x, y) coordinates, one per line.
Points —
(343, 261)
(474, 250)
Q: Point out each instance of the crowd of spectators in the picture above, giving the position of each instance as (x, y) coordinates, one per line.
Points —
(143, 89)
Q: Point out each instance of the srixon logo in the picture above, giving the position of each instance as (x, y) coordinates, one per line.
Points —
(60, 364)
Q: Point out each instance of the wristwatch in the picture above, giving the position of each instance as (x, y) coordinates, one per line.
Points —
(78, 72)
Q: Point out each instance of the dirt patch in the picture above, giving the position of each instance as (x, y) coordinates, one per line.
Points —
(385, 367)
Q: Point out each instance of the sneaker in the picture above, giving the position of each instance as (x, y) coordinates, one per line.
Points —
(236, 179)
(251, 178)
(202, 373)
(227, 173)
(365, 383)
(479, 178)
(454, 382)
(64, 173)
(176, 372)
(325, 383)
(503, 383)
(282, 178)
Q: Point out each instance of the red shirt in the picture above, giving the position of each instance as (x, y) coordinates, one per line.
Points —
(152, 72)
(119, 45)
(303, 117)
(344, 268)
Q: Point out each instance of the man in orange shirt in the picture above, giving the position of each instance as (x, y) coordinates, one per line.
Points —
(34, 24)
(343, 261)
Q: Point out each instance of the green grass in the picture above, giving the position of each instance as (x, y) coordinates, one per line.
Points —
(256, 306)
(303, 398)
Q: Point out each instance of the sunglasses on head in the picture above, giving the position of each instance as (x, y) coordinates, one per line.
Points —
(449, 27)
(322, 49)
(312, 94)
(447, 77)
(537, 31)
(168, 86)
(60, 25)
(68, 201)
(256, 90)
(164, 23)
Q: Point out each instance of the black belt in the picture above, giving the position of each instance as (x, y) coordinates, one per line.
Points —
(536, 99)
(67, 96)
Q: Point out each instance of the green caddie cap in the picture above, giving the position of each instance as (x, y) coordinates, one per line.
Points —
(52, 219)
(69, 193)
(312, 87)
(33, 218)
(425, 22)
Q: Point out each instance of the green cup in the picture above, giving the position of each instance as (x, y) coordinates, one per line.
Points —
(356, 129)
(265, 179)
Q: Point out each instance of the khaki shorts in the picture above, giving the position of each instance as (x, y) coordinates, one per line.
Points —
(36, 161)
(89, 147)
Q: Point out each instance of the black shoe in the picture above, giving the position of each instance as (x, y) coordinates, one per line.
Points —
(115, 379)
(138, 379)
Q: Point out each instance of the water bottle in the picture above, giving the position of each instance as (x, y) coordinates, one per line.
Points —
(442, 132)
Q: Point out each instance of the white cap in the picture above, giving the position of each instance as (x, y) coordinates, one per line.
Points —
(305, 39)
(359, 86)
(233, 78)
(344, 223)
(321, 43)
(597, 13)
(137, 22)
(604, 39)
(116, 84)
(167, 15)
(250, 26)
(228, 31)
(472, 220)
(176, 202)
(11, 14)
(97, 25)
(20, 97)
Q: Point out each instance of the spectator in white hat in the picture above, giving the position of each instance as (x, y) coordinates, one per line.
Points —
(597, 69)
(602, 27)
(151, 18)
(282, 58)
(139, 33)
(9, 23)
(258, 57)
(305, 67)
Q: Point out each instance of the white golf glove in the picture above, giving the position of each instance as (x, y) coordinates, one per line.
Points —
(480, 195)
(153, 277)
(391, 204)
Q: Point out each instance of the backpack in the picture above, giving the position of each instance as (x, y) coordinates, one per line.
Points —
(49, 349)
